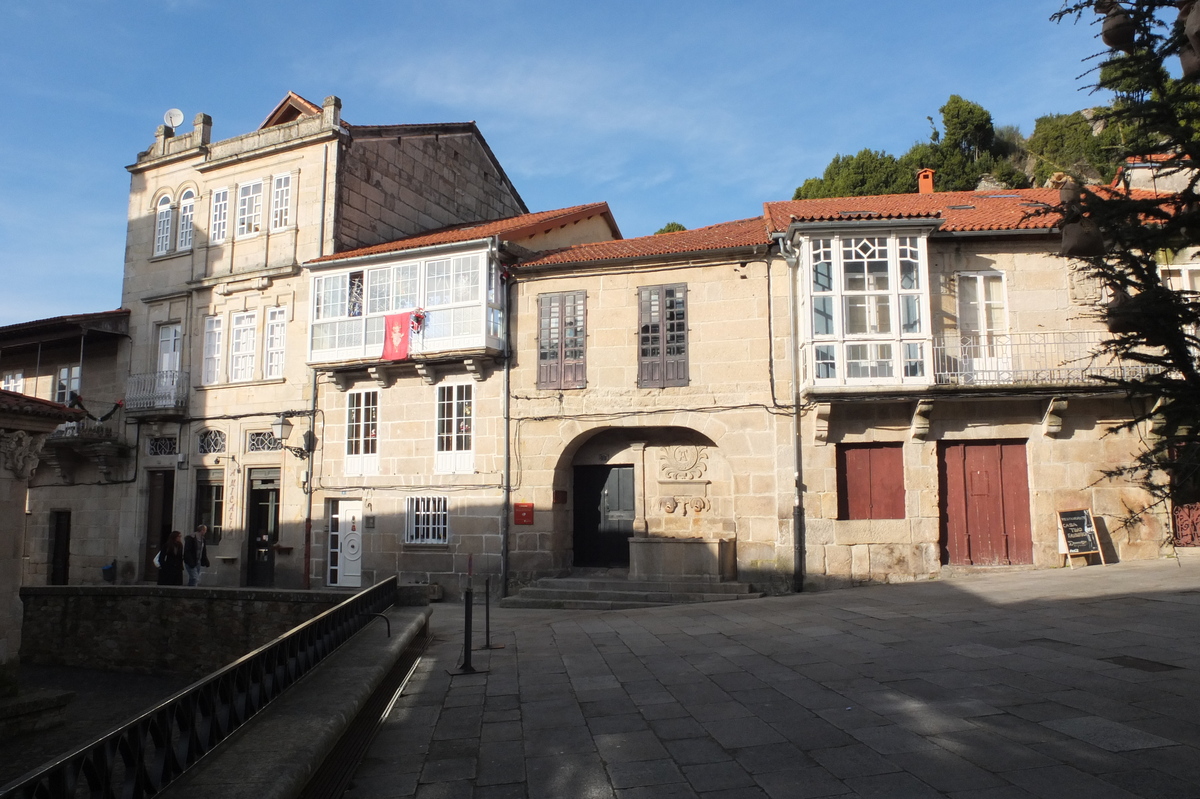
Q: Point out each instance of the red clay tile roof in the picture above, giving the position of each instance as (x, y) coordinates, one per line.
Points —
(511, 228)
(724, 236)
(1001, 209)
(12, 402)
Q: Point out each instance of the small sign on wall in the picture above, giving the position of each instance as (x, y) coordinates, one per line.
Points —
(522, 513)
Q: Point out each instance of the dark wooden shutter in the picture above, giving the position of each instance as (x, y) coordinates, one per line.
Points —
(675, 337)
(573, 338)
(549, 373)
(650, 372)
(870, 481)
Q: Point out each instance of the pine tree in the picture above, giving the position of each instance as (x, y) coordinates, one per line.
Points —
(1153, 321)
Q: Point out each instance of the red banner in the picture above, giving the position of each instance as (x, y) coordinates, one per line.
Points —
(397, 331)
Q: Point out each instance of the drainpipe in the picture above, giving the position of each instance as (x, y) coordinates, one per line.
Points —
(507, 479)
(792, 257)
(308, 489)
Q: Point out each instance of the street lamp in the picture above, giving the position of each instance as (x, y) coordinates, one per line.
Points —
(281, 428)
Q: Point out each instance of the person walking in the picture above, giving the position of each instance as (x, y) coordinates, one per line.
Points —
(195, 554)
(170, 560)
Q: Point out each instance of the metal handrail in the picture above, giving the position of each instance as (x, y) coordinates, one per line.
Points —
(165, 390)
(142, 757)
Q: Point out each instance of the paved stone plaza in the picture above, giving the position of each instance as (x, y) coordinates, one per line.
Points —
(1060, 683)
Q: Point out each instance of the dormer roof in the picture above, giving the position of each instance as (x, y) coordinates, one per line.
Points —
(290, 108)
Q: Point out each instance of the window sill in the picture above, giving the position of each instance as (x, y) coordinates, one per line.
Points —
(426, 547)
(242, 384)
(166, 256)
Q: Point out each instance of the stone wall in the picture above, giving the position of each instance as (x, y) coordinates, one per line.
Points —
(151, 629)
(389, 190)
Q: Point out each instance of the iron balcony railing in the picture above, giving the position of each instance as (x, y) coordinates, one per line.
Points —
(157, 391)
(83, 430)
(1050, 358)
(141, 758)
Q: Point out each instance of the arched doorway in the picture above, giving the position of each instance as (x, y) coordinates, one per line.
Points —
(604, 515)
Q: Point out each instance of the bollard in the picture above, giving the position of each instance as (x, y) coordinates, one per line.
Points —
(468, 602)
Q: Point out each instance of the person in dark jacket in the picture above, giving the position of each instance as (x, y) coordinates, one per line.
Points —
(195, 554)
(170, 560)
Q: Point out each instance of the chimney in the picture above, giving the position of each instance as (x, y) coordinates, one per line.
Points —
(925, 181)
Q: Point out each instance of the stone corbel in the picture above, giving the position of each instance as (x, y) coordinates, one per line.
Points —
(821, 422)
(475, 367)
(61, 461)
(343, 381)
(382, 375)
(428, 373)
(1052, 422)
(919, 430)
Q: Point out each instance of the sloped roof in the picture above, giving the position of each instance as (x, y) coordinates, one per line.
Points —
(723, 236)
(1005, 209)
(290, 108)
(514, 227)
(20, 404)
(115, 322)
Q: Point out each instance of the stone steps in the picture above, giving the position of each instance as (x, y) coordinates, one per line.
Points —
(608, 591)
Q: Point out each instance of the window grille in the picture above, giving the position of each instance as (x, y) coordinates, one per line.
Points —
(427, 520)
(162, 445)
(263, 442)
(212, 442)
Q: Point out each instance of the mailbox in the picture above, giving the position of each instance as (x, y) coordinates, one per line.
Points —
(522, 513)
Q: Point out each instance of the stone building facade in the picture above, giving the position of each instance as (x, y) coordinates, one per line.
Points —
(352, 352)
(24, 425)
(951, 401)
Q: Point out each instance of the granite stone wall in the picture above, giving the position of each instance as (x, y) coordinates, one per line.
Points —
(152, 629)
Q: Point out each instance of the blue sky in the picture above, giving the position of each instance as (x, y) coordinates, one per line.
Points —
(693, 112)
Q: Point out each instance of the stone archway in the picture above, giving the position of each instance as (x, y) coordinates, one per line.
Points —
(642, 483)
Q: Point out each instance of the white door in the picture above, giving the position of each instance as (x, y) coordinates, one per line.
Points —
(345, 543)
(168, 347)
(986, 351)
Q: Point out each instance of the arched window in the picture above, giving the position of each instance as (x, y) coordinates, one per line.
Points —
(162, 227)
(187, 208)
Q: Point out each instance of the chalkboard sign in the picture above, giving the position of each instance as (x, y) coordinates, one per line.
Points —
(1079, 533)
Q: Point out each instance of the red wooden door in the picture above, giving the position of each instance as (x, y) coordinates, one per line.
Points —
(985, 504)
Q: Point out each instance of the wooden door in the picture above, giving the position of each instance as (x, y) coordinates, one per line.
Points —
(604, 510)
(262, 526)
(985, 503)
(160, 510)
(60, 547)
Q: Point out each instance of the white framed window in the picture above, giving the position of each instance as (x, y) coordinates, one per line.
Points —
(66, 383)
(281, 202)
(219, 228)
(983, 351)
(169, 345)
(187, 213)
(455, 429)
(349, 308)
(362, 433)
(276, 337)
(426, 520)
(243, 327)
(13, 380)
(212, 351)
(162, 226)
(249, 210)
(868, 309)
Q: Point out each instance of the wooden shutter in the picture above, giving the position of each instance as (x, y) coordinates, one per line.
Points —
(650, 372)
(870, 481)
(675, 337)
(549, 373)
(573, 340)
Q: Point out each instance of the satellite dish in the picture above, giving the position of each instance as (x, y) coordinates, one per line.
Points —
(173, 117)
